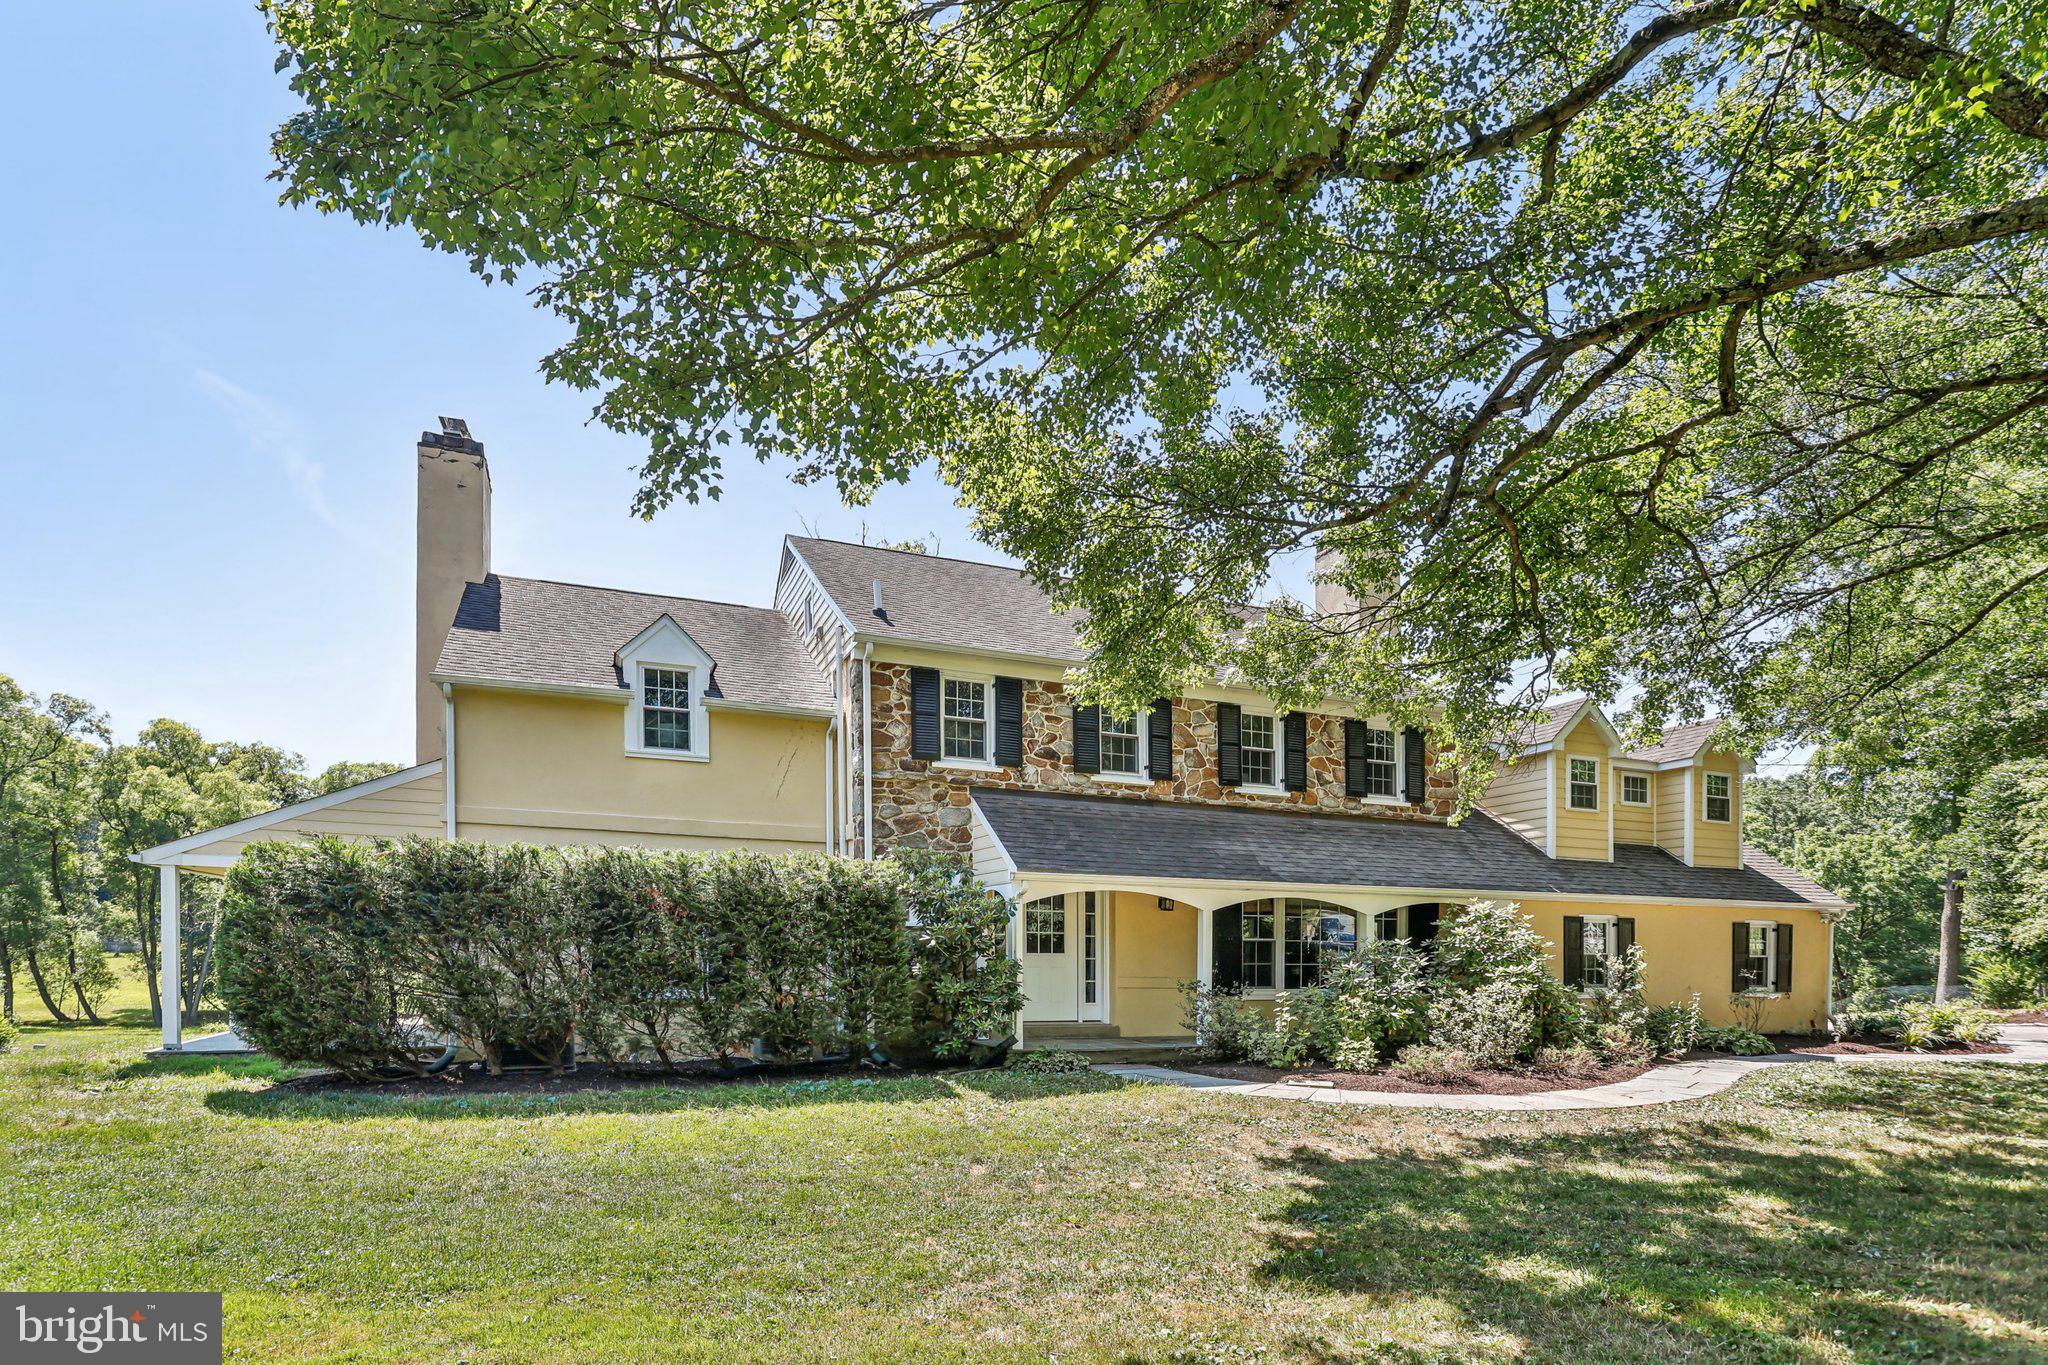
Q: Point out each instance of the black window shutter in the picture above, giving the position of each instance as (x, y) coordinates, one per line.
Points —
(1159, 741)
(1010, 722)
(1741, 979)
(1624, 933)
(1229, 745)
(1785, 959)
(1422, 922)
(1354, 757)
(924, 713)
(1088, 739)
(1574, 946)
(1227, 950)
(1295, 726)
(1418, 772)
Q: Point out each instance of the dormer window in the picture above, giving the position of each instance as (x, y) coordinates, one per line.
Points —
(665, 709)
(1582, 789)
(1635, 789)
(1720, 798)
(668, 677)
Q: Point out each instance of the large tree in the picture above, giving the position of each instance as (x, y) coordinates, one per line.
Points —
(1645, 341)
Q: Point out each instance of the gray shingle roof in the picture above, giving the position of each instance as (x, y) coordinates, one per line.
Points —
(930, 599)
(534, 631)
(1680, 741)
(1558, 715)
(1128, 837)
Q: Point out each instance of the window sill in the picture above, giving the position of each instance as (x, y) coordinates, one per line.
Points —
(1581, 810)
(970, 765)
(1250, 790)
(1383, 801)
(1127, 779)
(672, 756)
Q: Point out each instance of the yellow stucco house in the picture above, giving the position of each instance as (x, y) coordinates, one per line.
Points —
(889, 699)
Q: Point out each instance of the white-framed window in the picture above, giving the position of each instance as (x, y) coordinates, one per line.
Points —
(963, 719)
(1258, 749)
(1391, 926)
(1760, 964)
(1720, 798)
(1582, 783)
(667, 675)
(1045, 925)
(1382, 770)
(665, 708)
(1598, 944)
(1120, 751)
(1635, 789)
(1283, 943)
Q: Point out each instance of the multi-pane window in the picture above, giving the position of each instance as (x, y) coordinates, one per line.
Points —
(1089, 970)
(1635, 789)
(1720, 805)
(1259, 926)
(1596, 950)
(1583, 785)
(1387, 926)
(1313, 934)
(1380, 769)
(1120, 750)
(665, 708)
(1045, 926)
(1255, 735)
(963, 719)
(1760, 966)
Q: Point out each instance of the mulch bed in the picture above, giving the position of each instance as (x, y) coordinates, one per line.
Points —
(590, 1076)
(1822, 1045)
(2027, 1017)
(1521, 1082)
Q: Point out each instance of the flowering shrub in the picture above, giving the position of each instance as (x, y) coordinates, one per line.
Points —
(1675, 1028)
(1494, 997)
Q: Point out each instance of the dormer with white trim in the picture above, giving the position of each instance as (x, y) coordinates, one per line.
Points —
(1559, 787)
(667, 675)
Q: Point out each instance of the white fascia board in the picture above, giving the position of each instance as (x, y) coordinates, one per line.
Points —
(166, 853)
(762, 708)
(980, 827)
(619, 695)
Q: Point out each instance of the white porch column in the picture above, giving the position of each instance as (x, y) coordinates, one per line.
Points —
(169, 934)
(1205, 951)
(1013, 942)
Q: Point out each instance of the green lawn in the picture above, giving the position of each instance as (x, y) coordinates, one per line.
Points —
(1812, 1214)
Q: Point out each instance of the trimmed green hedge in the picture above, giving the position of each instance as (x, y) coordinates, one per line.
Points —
(353, 956)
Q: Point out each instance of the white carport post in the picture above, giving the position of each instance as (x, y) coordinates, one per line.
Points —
(168, 939)
(1205, 953)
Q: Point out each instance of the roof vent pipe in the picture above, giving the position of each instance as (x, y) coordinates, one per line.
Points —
(878, 600)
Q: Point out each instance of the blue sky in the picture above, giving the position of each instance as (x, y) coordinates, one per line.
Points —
(208, 405)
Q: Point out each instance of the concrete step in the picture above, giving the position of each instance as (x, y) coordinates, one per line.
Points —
(1034, 1032)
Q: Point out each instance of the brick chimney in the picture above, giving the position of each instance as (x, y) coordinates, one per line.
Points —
(454, 550)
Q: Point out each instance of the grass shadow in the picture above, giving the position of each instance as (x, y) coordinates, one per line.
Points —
(279, 1102)
(243, 1065)
(1716, 1239)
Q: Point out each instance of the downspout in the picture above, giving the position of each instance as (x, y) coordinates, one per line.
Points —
(448, 755)
(867, 754)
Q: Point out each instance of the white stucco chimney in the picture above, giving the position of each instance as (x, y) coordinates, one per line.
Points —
(454, 550)
(1332, 598)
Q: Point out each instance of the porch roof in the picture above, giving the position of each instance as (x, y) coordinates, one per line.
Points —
(1056, 834)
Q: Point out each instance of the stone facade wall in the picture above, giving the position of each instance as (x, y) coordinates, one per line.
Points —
(921, 804)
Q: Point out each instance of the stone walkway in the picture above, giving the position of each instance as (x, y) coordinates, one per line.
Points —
(1659, 1085)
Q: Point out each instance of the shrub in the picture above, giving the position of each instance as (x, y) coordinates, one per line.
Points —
(1430, 1064)
(651, 979)
(1740, 1041)
(964, 986)
(1493, 997)
(10, 1033)
(1620, 1045)
(1676, 1027)
(1619, 1003)
(2000, 983)
(858, 907)
(311, 964)
(501, 954)
(1231, 1027)
(1048, 1061)
(1378, 997)
(1926, 1024)
(1578, 1061)
(1870, 1012)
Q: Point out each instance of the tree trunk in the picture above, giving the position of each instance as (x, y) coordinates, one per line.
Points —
(84, 1005)
(35, 971)
(6, 982)
(1948, 975)
(145, 944)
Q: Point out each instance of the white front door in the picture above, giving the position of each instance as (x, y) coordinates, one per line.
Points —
(1052, 953)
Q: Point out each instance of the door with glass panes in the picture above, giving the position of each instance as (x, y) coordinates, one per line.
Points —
(1062, 958)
